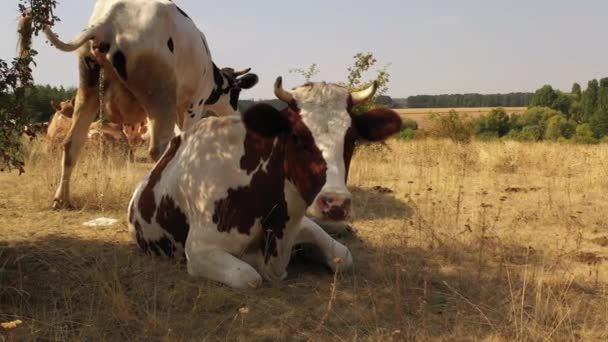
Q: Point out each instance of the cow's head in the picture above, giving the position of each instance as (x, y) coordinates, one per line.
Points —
(320, 118)
(227, 89)
(65, 108)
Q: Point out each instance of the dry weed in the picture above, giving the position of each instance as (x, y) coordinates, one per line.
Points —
(487, 241)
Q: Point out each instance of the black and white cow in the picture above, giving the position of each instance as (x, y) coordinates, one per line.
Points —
(231, 193)
(154, 58)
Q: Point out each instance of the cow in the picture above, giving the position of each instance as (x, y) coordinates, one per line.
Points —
(154, 61)
(104, 132)
(231, 193)
(135, 133)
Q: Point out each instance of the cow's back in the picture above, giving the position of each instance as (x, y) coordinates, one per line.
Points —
(191, 179)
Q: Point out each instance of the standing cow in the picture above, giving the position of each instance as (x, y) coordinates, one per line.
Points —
(231, 193)
(153, 57)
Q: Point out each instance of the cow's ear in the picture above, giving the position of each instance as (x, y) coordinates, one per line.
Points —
(248, 81)
(377, 124)
(266, 120)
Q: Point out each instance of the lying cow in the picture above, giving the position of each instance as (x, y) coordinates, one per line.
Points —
(155, 61)
(231, 193)
(107, 133)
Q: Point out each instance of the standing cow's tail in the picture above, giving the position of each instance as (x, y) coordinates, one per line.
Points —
(24, 41)
(73, 45)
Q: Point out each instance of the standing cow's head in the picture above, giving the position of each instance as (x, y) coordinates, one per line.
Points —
(326, 110)
(228, 86)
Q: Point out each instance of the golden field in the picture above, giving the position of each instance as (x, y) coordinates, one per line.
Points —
(497, 241)
(423, 115)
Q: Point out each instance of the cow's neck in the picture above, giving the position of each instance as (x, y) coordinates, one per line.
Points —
(220, 100)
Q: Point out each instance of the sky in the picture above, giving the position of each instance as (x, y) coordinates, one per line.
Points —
(432, 46)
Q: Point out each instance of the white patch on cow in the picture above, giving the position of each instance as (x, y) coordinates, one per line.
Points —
(323, 108)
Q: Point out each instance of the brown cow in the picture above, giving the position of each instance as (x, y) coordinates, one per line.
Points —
(109, 133)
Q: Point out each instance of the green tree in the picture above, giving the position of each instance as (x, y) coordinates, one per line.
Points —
(308, 73)
(562, 103)
(577, 91)
(363, 63)
(16, 79)
(559, 127)
(584, 135)
(544, 97)
(599, 123)
(495, 123)
(602, 98)
(590, 100)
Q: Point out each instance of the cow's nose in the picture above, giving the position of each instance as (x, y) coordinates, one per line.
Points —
(335, 206)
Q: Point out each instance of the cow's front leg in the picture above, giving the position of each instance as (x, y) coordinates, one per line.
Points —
(335, 254)
(218, 265)
(84, 112)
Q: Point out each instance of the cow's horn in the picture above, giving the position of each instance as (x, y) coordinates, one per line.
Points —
(241, 72)
(281, 93)
(362, 96)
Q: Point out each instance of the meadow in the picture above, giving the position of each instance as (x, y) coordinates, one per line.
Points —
(492, 241)
(423, 115)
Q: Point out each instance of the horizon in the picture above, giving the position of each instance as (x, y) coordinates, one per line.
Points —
(433, 48)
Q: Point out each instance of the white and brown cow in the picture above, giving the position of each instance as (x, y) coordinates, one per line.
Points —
(153, 58)
(231, 193)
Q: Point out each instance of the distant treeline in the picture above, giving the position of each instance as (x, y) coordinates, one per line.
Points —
(38, 100)
(465, 100)
(439, 101)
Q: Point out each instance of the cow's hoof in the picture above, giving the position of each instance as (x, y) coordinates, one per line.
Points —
(62, 205)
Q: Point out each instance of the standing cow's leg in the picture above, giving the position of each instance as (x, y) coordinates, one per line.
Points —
(218, 265)
(85, 108)
(152, 81)
(333, 251)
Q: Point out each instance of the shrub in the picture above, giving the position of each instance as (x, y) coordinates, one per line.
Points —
(584, 135)
(528, 133)
(558, 127)
(409, 123)
(496, 123)
(453, 126)
(407, 134)
(599, 123)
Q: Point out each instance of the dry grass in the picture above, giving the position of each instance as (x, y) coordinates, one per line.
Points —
(423, 115)
(487, 241)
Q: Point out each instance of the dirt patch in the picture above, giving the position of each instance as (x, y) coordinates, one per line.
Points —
(601, 241)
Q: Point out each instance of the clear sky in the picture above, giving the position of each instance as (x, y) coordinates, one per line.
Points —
(434, 46)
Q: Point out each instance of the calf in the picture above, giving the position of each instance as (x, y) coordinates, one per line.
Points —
(156, 63)
(231, 193)
(106, 133)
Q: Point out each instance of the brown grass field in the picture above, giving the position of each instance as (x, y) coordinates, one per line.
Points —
(423, 115)
(497, 241)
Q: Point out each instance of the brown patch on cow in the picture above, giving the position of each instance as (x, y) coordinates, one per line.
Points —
(304, 163)
(257, 150)
(147, 202)
(172, 220)
(262, 199)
